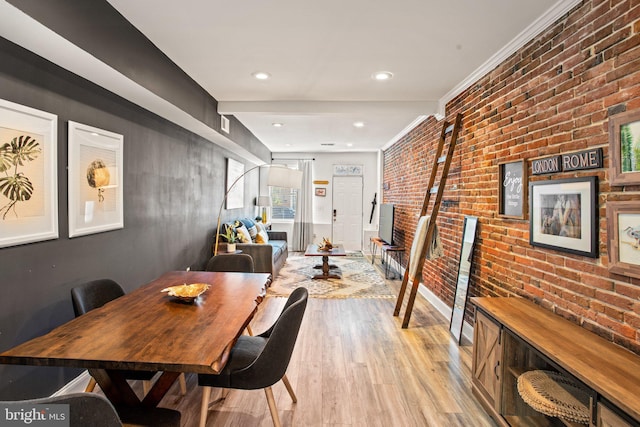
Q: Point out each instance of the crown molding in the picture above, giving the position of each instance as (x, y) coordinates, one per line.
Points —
(554, 13)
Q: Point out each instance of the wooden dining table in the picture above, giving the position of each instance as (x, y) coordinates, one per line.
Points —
(149, 330)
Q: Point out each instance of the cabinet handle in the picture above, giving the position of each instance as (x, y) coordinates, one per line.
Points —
(495, 369)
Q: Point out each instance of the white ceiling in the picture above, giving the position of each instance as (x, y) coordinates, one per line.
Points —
(321, 55)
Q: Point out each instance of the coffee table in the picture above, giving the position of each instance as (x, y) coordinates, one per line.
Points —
(312, 250)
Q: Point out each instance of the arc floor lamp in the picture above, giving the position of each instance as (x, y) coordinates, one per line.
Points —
(277, 176)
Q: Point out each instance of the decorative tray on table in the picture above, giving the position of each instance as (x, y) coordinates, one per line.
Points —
(186, 293)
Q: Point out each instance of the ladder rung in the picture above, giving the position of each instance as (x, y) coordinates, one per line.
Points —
(433, 190)
(442, 159)
(448, 129)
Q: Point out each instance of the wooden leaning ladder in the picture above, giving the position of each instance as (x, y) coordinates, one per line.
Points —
(447, 129)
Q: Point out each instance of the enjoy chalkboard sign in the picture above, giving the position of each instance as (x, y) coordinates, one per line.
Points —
(512, 193)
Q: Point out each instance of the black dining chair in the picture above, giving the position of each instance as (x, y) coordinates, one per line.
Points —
(95, 294)
(260, 361)
(233, 263)
(90, 409)
(240, 263)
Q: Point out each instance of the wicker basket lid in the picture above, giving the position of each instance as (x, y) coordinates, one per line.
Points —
(553, 394)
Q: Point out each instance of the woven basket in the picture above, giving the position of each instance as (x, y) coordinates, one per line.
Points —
(553, 394)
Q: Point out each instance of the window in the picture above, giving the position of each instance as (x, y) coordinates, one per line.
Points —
(283, 200)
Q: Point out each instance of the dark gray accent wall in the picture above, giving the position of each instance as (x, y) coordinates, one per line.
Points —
(98, 28)
(173, 187)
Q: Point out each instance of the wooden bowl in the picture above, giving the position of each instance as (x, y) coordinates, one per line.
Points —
(186, 293)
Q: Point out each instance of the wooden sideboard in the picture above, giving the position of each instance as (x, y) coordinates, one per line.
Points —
(513, 335)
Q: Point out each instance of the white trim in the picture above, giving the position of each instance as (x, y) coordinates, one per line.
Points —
(438, 304)
(554, 13)
(405, 131)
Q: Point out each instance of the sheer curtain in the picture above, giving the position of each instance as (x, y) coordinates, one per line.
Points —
(303, 223)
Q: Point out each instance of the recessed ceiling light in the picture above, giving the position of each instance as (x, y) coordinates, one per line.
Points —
(261, 75)
(382, 75)
(358, 124)
(349, 144)
(277, 125)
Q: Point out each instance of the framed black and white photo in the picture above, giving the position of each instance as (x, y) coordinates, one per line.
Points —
(28, 175)
(96, 185)
(564, 215)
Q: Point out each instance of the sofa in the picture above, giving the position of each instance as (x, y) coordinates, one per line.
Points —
(268, 257)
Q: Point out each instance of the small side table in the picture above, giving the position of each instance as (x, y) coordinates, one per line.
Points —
(391, 252)
(374, 243)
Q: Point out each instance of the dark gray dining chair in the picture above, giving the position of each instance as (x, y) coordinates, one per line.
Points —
(91, 409)
(233, 263)
(95, 294)
(260, 361)
(240, 263)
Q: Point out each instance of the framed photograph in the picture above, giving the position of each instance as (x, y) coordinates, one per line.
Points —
(28, 175)
(322, 192)
(512, 194)
(624, 143)
(235, 184)
(623, 229)
(96, 184)
(564, 215)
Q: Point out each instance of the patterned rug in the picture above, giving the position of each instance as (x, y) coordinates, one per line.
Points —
(359, 278)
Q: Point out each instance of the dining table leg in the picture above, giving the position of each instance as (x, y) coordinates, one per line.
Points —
(116, 388)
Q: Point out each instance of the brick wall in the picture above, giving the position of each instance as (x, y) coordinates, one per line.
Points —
(553, 96)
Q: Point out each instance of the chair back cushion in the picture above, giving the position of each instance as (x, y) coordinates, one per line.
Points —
(94, 294)
(241, 263)
(272, 362)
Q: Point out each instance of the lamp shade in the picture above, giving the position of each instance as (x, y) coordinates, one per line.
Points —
(281, 176)
(263, 201)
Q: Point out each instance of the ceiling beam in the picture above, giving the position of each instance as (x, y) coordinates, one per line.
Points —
(300, 108)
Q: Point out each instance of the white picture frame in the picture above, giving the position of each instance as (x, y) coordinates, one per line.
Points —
(28, 175)
(235, 184)
(347, 170)
(96, 180)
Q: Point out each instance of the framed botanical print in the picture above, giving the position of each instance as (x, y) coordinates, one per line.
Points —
(96, 184)
(624, 148)
(28, 175)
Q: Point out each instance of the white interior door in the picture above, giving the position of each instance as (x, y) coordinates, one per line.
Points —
(347, 212)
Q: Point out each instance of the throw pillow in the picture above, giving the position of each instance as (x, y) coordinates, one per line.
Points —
(251, 226)
(262, 237)
(243, 234)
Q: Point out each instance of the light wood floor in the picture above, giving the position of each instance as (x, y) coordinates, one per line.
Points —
(354, 365)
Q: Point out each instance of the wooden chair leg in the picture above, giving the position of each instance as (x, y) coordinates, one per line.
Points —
(272, 407)
(287, 384)
(249, 330)
(183, 384)
(204, 408)
(91, 386)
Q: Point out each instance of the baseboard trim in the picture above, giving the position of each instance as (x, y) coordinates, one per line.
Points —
(437, 303)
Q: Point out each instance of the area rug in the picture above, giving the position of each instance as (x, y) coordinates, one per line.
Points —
(359, 278)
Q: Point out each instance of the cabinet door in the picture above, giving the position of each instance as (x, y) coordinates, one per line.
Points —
(608, 418)
(487, 357)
